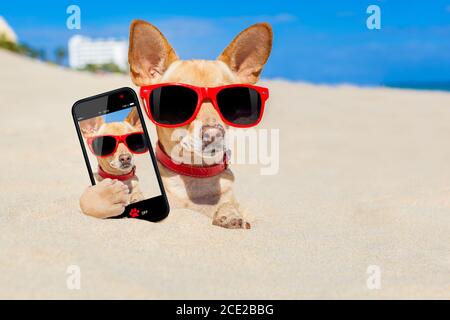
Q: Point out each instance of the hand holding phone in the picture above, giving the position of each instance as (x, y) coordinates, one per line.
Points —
(119, 158)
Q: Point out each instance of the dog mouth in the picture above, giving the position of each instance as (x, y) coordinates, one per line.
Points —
(196, 146)
(121, 166)
(126, 166)
(213, 149)
(206, 140)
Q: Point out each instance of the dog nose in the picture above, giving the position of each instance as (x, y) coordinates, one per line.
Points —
(212, 133)
(125, 159)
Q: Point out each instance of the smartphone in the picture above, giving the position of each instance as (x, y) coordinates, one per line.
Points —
(116, 145)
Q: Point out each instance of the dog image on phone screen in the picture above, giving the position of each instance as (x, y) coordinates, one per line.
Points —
(114, 144)
(204, 98)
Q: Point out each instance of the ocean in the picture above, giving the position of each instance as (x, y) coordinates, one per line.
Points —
(441, 86)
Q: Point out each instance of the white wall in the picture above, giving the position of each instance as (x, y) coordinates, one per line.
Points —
(84, 50)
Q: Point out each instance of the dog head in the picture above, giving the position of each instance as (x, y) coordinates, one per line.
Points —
(152, 60)
(122, 160)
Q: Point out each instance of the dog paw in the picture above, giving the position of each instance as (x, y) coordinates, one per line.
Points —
(106, 199)
(228, 216)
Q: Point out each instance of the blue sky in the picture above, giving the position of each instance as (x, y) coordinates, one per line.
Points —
(117, 116)
(316, 41)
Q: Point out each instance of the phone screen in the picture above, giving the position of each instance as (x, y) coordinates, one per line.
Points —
(116, 146)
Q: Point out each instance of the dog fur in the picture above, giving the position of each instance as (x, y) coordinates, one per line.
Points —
(152, 60)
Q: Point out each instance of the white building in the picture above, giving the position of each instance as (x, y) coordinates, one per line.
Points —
(6, 31)
(84, 50)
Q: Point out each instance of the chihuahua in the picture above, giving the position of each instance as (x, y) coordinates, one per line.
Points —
(153, 61)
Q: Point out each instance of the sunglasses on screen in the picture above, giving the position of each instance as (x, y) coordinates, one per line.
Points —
(106, 145)
(177, 104)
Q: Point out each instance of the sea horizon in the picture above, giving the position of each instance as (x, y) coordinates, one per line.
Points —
(431, 85)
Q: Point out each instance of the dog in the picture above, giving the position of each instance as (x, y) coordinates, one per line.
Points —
(152, 60)
(116, 172)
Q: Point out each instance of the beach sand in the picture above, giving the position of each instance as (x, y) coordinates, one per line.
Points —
(364, 180)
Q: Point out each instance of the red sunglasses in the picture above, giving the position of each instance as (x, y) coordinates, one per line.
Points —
(177, 104)
(105, 145)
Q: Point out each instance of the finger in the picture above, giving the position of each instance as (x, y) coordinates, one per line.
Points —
(122, 198)
(106, 182)
(119, 187)
(116, 210)
(115, 181)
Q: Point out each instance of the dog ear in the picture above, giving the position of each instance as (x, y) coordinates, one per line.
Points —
(89, 127)
(133, 119)
(249, 51)
(149, 53)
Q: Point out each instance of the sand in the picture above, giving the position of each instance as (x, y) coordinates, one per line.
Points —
(364, 180)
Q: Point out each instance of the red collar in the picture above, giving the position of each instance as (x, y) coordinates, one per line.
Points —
(188, 170)
(122, 177)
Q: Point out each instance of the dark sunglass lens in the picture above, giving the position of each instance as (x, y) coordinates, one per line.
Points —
(172, 104)
(240, 105)
(103, 146)
(136, 143)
